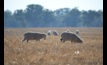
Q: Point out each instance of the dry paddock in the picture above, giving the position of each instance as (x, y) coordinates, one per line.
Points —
(52, 51)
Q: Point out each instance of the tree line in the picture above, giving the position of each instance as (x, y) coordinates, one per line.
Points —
(36, 15)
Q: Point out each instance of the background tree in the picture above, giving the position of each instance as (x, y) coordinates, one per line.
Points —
(33, 15)
(48, 18)
(60, 15)
(9, 20)
(20, 18)
(36, 16)
(92, 18)
(73, 18)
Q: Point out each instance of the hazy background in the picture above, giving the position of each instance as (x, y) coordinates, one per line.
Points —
(55, 4)
(53, 13)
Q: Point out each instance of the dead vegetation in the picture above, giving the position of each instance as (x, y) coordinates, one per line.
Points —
(52, 51)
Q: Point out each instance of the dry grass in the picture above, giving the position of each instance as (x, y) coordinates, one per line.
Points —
(51, 51)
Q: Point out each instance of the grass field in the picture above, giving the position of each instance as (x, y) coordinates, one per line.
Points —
(52, 51)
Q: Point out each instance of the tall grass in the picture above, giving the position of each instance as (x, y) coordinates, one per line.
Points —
(52, 51)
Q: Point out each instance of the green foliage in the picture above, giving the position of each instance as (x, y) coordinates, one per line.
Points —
(36, 16)
(73, 18)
